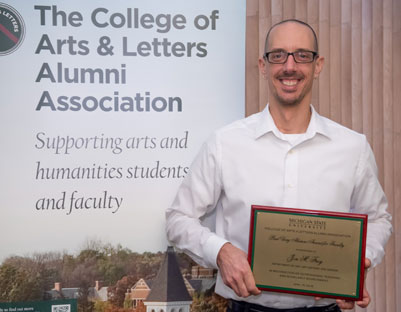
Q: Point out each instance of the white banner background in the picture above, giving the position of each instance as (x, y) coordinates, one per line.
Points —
(39, 214)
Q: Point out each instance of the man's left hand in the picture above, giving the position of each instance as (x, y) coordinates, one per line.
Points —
(347, 305)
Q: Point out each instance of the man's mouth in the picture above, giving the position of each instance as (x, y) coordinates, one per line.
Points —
(289, 82)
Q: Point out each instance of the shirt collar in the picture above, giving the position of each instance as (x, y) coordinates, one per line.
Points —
(317, 124)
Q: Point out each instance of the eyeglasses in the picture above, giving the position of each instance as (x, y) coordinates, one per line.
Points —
(280, 57)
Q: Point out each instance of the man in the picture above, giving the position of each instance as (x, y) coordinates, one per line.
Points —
(285, 156)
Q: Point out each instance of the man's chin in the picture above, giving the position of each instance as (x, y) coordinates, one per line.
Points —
(288, 102)
(289, 99)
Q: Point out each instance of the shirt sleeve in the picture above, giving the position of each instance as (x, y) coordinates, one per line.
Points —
(368, 198)
(197, 196)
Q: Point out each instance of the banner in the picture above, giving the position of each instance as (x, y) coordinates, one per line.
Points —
(104, 104)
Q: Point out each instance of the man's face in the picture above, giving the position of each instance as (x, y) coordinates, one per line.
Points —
(291, 83)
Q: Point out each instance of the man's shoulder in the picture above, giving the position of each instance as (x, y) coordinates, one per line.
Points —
(245, 125)
(339, 131)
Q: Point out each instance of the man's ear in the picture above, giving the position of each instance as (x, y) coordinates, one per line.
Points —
(262, 68)
(319, 66)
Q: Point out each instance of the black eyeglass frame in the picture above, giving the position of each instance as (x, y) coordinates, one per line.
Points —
(266, 56)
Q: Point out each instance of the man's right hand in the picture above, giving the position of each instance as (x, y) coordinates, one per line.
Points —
(235, 271)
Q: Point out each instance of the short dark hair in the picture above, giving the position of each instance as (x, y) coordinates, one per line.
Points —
(293, 20)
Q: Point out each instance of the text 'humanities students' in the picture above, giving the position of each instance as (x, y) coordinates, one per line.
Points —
(285, 156)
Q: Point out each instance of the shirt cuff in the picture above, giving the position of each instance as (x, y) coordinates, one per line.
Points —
(212, 248)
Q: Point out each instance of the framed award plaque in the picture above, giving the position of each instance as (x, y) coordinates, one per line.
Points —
(308, 252)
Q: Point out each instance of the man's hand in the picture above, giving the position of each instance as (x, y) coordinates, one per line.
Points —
(235, 271)
(346, 305)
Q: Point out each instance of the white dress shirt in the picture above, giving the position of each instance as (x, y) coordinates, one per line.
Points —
(250, 162)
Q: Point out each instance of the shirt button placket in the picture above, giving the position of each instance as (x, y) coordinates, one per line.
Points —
(291, 179)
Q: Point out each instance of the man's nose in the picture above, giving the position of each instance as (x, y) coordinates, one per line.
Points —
(290, 64)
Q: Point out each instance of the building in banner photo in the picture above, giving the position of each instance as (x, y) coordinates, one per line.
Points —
(169, 291)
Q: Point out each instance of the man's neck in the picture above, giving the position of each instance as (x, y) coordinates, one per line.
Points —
(291, 119)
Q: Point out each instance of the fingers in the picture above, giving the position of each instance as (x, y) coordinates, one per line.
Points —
(367, 263)
(250, 284)
(235, 279)
(366, 297)
(365, 300)
(236, 272)
(348, 305)
(345, 305)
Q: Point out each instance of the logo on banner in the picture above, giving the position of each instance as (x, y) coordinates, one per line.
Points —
(12, 29)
